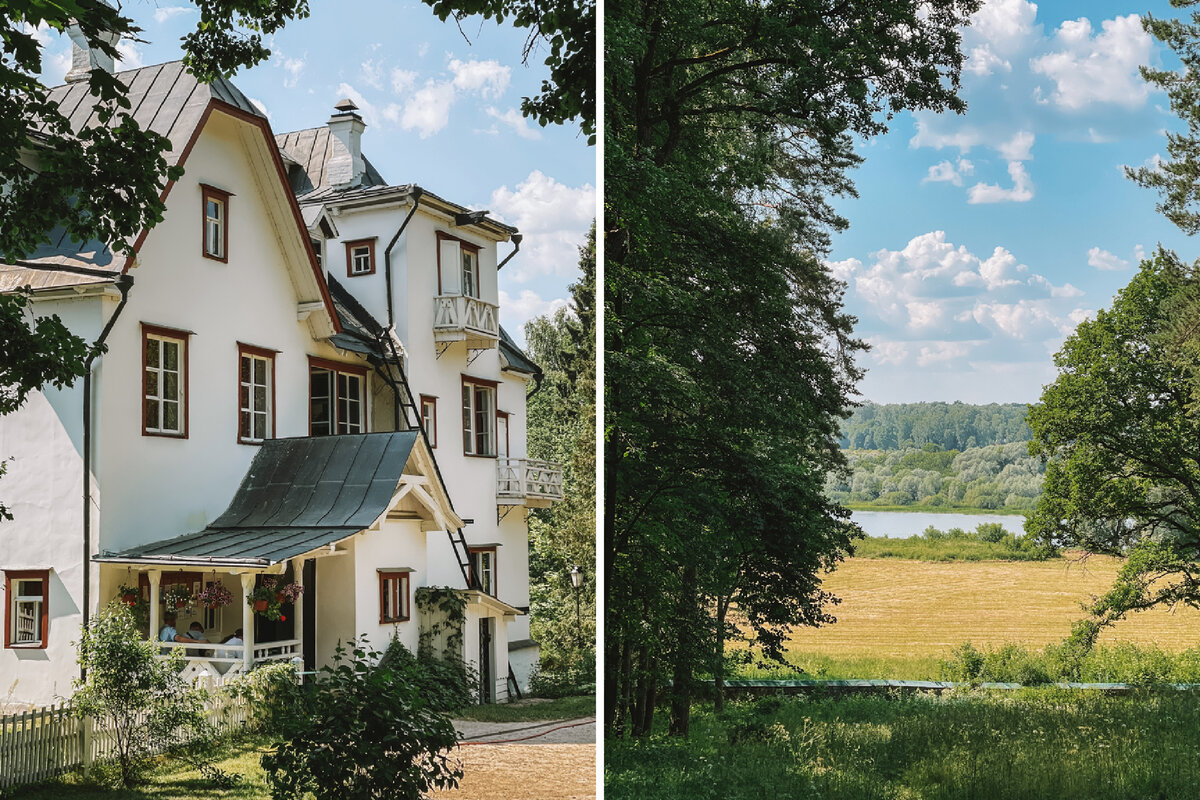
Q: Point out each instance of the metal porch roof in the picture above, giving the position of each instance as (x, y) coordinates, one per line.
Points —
(299, 495)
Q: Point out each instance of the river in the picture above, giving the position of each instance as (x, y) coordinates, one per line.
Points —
(902, 524)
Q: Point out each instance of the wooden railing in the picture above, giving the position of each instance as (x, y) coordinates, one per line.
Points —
(215, 659)
(459, 314)
(527, 478)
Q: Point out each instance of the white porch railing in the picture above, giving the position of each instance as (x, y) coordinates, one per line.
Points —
(457, 317)
(528, 479)
(215, 659)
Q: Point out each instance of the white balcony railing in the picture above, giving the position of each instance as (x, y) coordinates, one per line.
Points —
(458, 318)
(524, 479)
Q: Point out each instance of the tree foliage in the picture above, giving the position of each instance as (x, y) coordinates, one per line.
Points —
(950, 426)
(728, 357)
(562, 428)
(1122, 476)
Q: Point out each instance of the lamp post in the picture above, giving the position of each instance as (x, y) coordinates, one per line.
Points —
(576, 582)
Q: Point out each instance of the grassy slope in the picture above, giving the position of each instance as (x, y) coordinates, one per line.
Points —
(898, 618)
(523, 711)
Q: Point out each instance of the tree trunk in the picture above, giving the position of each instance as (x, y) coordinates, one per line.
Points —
(648, 697)
(681, 690)
(719, 666)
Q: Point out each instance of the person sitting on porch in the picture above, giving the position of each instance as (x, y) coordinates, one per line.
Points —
(196, 634)
(233, 638)
(169, 634)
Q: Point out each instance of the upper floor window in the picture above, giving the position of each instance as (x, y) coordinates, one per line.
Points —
(27, 608)
(256, 394)
(479, 417)
(483, 564)
(394, 603)
(470, 272)
(458, 266)
(337, 398)
(429, 419)
(216, 222)
(360, 257)
(164, 381)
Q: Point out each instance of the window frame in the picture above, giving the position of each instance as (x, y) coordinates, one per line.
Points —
(463, 245)
(431, 425)
(472, 439)
(11, 577)
(336, 368)
(402, 594)
(183, 338)
(208, 192)
(266, 354)
(368, 243)
(493, 571)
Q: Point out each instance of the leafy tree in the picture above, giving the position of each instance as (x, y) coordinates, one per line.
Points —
(728, 358)
(562, 428)
(365, 731)
(137, 696)
(1122, 475)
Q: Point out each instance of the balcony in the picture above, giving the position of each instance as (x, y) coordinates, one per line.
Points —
(458, 318)
(526, 482)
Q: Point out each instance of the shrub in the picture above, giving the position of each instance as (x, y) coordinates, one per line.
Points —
(446, 683)
(990, 532)
(365, 730)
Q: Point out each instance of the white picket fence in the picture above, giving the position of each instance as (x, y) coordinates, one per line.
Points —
(39, 744)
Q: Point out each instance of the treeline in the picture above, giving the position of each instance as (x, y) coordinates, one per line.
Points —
(1002, 476)
(950, 426)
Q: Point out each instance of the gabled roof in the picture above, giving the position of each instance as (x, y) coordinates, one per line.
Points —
(514, 357)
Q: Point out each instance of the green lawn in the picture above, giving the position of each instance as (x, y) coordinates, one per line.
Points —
(532, 710)
(1027, 745)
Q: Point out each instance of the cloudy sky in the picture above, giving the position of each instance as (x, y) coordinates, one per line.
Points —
(980, 240)
(440, 111)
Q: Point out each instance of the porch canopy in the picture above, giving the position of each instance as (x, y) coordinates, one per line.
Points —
(307, 493)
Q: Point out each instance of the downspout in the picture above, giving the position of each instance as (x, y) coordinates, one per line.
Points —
(516, 240)
(416, 193)
(123, 284)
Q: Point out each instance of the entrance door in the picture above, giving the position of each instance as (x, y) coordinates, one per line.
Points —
(310, 614)
(486, 677)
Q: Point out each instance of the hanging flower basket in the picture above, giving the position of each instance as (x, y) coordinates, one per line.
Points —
(129, 595)
(178, 596)
(268, 597)
(260, 605)
(215, 595)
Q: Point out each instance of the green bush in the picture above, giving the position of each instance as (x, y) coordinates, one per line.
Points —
(447, 683)
(574, 680)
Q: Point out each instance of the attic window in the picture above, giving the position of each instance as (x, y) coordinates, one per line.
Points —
(216, 222)
(360, 257)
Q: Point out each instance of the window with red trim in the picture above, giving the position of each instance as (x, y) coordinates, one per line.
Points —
(216, 222)
(483, 564)
(164, 381)
(256, 394)
(429, 419)
(27, 608)
(479, 417)
(393, 596)
(337, 398)
(360, 257)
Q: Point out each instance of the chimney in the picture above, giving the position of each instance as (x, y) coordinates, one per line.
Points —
(84, 59)
(346, 167)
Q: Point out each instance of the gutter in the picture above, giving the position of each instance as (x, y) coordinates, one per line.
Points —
(123, 283)
(516, 240)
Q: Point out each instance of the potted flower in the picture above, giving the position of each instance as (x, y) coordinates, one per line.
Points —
(214, 595)
(269, 596)
(129, 594)
(177, 595)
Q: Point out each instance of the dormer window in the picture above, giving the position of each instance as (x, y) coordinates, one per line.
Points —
(216, 222)
(360, 257)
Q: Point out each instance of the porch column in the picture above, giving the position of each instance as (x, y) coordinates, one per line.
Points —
(155, 576)
(247, 620)
(298, 607)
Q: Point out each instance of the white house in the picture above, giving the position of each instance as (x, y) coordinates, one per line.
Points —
(306, 381)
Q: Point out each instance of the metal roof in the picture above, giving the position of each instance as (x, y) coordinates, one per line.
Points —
(515, 356)
(360, 331)
(310, 149)
(299, 495)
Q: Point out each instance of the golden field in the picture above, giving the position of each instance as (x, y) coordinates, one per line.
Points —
(897, 609)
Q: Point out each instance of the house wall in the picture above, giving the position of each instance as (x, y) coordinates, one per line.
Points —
(396, 545)
(336, 601)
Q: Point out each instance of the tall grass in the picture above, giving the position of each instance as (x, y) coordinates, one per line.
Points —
(1030, 745)
(988, 542)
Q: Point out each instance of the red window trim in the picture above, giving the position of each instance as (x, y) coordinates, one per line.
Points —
(431, 438)
(401, 576)
(370, 244)
(259, 352)
(207, 191)
(495, 387)
(26, 574)
(442, 236)
(495, 566)
(159, 331)
(507, 441)
(316, 362)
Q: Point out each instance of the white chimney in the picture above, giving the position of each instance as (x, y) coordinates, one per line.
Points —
(346, 167)
(84, 58)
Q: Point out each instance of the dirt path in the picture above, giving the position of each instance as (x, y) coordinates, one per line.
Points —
(553, 760)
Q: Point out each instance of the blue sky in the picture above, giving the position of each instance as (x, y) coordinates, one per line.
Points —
(981, 239)
(440, 112)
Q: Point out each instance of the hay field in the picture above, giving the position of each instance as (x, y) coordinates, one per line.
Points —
(905, 610)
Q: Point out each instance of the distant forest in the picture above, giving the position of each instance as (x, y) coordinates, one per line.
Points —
(948, 426)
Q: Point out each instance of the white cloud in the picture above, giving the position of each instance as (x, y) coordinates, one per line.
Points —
(129, 55)
(945, 171)
(513, 119)
(1080, 314)
(422, 49)
(1018, 148)
(939, 352)
(844, 270)
(554, 219)
(403, 80)
(489, 78)
(963, 138)
(371, 113)
(885, 352)
(428, 110)
(1025, 319)
(57, 67)
(525, 307)
(1104, 260)
(372, 73)
(923, 314)
(1102, 69)
(1005, 25)
(982, 62)
(293, 67)
(165, 13)
(1021, 191)
(260, 105)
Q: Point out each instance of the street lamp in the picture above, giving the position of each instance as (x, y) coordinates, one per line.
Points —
(576, 582)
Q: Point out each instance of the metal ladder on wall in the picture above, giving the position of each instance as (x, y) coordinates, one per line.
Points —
(458, 542)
